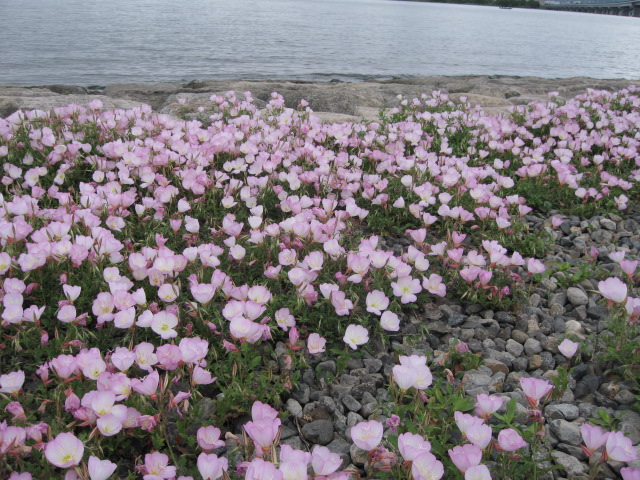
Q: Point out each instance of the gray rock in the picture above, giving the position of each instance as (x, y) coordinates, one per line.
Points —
(519, 336)
(294, 408)
(351, 403)
(532, 347)
(373, 364)
(566, 432)
(625, 397)
(563, 411)
(353, 418)
(293, 442)
(360, 389)
(359, 457)
(571, 465)
(301, 394)
(515, 348)
(318, 432)
(608, 224)
(368, 409)
(630, 425)
(577, 296)
(326, 369)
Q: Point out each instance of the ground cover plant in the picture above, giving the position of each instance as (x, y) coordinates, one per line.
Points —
(166, 284)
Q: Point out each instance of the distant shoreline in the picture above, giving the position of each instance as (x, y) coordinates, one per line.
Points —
(528, 4)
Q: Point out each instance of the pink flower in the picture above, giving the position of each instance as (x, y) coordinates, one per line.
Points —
(479, 435)
(122, 358)
(487, 405)
(390, 321)
(479, 472)
(261, 470)
(284, 319)
(535, 266)
(201, 376)
(405, 376)
(412, 445)
(464, 421)
(620, 448)
(15, 409)
(156, 465)
(11, 382)
(209, 438)
(148, 385)
(376, 302)
(203, 292)
(323, 461)
(406, 288)
(568, 348)
(71, 292)
(629, 473)
(535, 389)
(356, 335)
(291, 455)
(211, 467)
(629, 266)
(367, 435)
(193, 349)
(100, 469)
(163, 324)
(427, 467)
(64, 451)
(67, 314)
(265, 425)
(465, 456)
(613, 289)
(316, 343)
(342, 305)
(169, 356)
(593, 437)
(434, 285)
(509, 440)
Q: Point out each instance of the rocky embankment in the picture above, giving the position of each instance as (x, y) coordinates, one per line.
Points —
(333, 101)
(512, 345)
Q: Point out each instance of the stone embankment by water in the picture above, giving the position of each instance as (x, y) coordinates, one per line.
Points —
(332, 102)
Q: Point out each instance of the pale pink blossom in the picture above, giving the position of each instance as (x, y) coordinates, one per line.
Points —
(156, 466)
(479, 472)
(316, 343)
(376, 302)
(620, 448)
(509, 440)
(427, 467)
(64, 451)
(209, 438)
(487, 405)
(412, 445)
(323, 461)
(367, 435)
(406, 288)
(535, 389)
(11, 382)
(613, 289)
(211, 467)
(568, 348)
(356, 335)
(389, 321)
(594, 437)
(465, 456)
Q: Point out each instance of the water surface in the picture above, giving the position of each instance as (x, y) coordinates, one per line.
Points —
(89, 42)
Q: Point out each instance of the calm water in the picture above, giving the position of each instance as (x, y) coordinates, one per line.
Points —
(89, 42)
